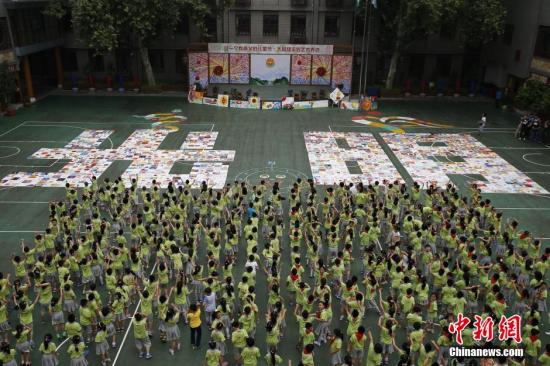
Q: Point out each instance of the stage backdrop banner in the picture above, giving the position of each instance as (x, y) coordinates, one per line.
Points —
(271, 49)
(341, 72)
(320, 70)
(198, 69)
(219, 68)
(269, 69)
(239, 67)
(300, 74)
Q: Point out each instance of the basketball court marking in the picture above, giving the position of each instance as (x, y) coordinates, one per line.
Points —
(533, 162)
(12, 129)
(10, 155)
(276, 173)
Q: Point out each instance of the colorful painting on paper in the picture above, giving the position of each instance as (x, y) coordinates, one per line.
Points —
(341, 72)
(301, 70)
(223, 100)
(219, 68)
(269, 69)
(239, 65)
(272, 105)
(198, 69)
(321, 66)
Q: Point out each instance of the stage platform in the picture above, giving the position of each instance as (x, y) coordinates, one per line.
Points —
(274, 92)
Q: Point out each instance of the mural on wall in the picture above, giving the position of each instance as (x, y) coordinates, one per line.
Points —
(269, 69)
(341, 72)
(239, 68)
(219, 68)
(301, 70)
(198, 69)
(321, 69)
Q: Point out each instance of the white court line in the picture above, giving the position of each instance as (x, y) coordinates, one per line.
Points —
(16, 127)
(532, 162)
(62, 343)
(130, 325)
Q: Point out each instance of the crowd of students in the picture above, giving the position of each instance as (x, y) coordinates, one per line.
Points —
(415, 257)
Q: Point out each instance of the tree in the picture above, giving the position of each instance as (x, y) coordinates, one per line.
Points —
(105, 24)
(7, 84)
(404, 21)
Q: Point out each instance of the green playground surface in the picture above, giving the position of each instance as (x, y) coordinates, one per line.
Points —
(258, 137)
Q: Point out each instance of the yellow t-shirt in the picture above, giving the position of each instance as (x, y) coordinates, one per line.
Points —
(194, 318)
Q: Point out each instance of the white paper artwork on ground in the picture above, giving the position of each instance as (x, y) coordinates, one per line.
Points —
(361, 151)
(200, 141)
(148, 162)
(430, 158)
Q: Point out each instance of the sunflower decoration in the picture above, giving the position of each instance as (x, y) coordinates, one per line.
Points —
(254, 100)
(321, 71)
(218, 70)
(270, 62)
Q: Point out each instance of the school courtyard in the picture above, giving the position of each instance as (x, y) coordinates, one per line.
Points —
(69, 136)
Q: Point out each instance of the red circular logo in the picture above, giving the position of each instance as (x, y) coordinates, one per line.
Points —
(321, 71)
(218, 70)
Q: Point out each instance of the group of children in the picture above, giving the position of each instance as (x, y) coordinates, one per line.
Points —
(411, 257)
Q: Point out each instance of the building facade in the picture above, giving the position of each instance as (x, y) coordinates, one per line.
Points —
(523, 51)
(45, 52)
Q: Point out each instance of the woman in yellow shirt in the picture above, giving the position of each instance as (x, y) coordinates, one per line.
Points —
(194, 318)
(48, 350)
(76, 352)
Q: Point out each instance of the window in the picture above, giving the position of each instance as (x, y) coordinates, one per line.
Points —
(68, 57)
(179, 64)
(183, 25)
(271, 25)
(211, 25)
(508, 34)
(542, 47)
(298, 25)
(156, 57)
(242, 24)
(332, 25)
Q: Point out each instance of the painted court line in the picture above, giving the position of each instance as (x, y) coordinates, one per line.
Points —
(12, 129)
(533, 162)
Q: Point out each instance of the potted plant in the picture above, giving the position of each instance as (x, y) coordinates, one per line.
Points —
(7, 86)
(90, 76)
(109, 76)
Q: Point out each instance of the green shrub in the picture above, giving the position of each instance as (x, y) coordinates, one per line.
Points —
(534, 96)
